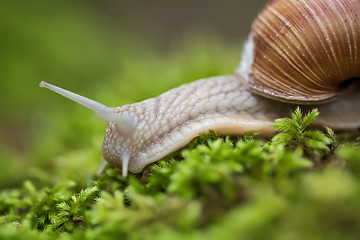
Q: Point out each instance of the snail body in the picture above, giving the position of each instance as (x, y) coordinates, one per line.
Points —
(144, 132)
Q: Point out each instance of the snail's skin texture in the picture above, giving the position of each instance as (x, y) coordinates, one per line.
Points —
(298, 51)
(169, 121)
(223, 104)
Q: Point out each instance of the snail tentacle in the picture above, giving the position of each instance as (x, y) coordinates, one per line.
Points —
(125, 123)
(101, 167)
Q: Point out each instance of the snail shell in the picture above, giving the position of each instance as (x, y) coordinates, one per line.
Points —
(297, 51)
(303, 50)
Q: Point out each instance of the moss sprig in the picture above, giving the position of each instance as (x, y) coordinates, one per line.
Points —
(294, 134)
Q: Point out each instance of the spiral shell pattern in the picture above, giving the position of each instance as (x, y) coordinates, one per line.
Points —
(303, 50)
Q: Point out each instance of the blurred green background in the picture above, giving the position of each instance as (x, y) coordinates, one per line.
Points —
(115, 52)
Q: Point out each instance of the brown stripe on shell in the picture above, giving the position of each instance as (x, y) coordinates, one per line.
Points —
(304, 49)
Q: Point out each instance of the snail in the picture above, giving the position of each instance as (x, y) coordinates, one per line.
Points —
(298, 53)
